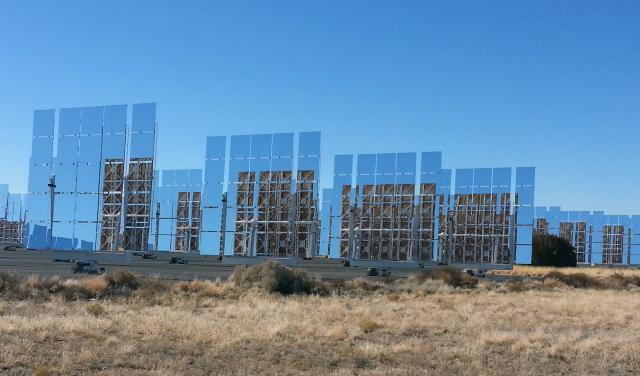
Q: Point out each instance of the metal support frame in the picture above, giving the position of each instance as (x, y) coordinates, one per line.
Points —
(52, 194)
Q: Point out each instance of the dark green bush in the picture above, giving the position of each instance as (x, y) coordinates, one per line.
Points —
(551, 250)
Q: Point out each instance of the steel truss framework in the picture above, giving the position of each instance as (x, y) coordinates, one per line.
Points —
(271, 207)
(597, 237)
(178, 196)
(388, 209)
(103, 187)
(11, 216)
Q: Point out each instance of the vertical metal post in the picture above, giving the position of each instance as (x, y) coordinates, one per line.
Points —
(116, 242)
(253, 237)
(223, 224)
(6, 208)
(415, 235)
(189, 224)
(629, 237)
(293, 246)
(590, 243)
(354, 244)
(22, 231)
(512, 238)
(52, 194)
(450, 238)
(122, 219)
(157, 234)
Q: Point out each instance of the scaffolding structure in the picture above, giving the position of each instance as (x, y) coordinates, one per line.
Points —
(479, 229)
(286, 219)
(11, 231)
(139, 187)
(612, 244)
(194, 229)
(103, 168)
(11, 216)
(258, 202)
(177, 198)
(393, 212)
(187, 222)
(112, 200)
(597, 238)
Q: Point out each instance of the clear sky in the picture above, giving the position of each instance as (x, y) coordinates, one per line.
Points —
(554, 84)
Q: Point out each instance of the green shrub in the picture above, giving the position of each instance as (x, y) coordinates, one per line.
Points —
(551, 250)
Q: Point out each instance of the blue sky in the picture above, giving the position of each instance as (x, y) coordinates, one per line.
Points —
(554, 84)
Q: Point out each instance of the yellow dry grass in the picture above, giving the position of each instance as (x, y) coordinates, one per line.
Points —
(464, 332)
(539, 271)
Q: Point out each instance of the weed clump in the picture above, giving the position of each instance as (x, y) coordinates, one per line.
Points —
(122, 280)
(205, 288)
(273, 277)
(577, 280)
(621, 281)
(96, 309)
(43, 371)
(369, 326)
(456, 278)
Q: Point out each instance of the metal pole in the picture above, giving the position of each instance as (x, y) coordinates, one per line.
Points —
(6, 208)
(415, 243)
(450, 241)
(293, 236)
(352, 235)
(223, 225)
(115, 242)
(123, 214)
(52, 194)
(512, 238)
(24, 223)
(156, 235)
(629, 237)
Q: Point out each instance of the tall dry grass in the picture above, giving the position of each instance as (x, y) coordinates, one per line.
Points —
(465, 332)
(541, 271)
(422, 325)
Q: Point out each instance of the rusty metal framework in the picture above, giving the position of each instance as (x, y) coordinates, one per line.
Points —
(194, 230)
(138, 203)
(112, 199)
(177, 194)
(187, 222)
(612, 244)
(285, 225)
(244, 222)
(598, 238)
(271, 207)
(11, 216)
(389, 210)
(477, 229)
(11, 231)
(102, 166)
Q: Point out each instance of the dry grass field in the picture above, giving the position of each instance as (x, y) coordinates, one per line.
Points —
(538, 271)
(423, 326)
